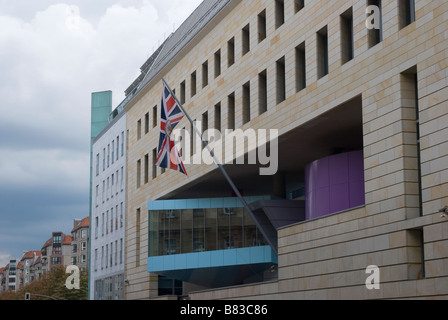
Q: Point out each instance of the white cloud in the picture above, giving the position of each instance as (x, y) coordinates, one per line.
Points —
(50, 64)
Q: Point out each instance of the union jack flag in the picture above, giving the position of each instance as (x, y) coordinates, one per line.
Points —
(168, 156)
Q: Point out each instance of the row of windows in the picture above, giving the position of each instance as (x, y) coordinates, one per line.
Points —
(108, 221)
(110, 255)
(114, 151)
(112, 185)
(407, 16)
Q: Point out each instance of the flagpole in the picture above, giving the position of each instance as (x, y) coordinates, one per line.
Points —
(224, 172)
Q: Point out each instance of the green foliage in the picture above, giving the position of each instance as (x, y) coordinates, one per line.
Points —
(51, 284)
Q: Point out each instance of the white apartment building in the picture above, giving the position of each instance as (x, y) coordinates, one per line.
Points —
(107, 265)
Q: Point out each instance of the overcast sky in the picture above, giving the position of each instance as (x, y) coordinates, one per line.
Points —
(53, 55)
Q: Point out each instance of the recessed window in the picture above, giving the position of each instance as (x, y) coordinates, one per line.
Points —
(182, 92)
(246, 103)
(231, 111)
(218, 116)
(407, 12)
(139, 130)
(217, 63)
(279, 13)
(300, 67)
(347, 45)
(262, 26)
(299, 5)
(281, 80)
(246, 39)
(205, 74)
(193, 84)
(231, 52)
(375, 34)
(262, 92)
(322, 52)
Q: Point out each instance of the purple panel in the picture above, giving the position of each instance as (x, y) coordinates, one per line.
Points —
(321, 202)
(356, 166)
(339, 197)
(357, 194)
(321, 173)
(338, 169)
(334, 184)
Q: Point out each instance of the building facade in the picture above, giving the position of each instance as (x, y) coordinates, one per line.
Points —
(56, 252)
(107, 264)
(80, 243)
(27, 262)
(357, 91)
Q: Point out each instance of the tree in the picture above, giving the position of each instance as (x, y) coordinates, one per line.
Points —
(51, 284)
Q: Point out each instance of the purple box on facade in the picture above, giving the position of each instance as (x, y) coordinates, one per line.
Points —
(334, 184)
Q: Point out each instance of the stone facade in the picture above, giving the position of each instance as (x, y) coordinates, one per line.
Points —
(406, 178)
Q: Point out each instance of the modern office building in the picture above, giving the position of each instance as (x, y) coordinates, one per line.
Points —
(357, 92)
(107, 266)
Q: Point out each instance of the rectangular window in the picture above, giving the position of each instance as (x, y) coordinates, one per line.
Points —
(322, 52)
(108, 155)
(104, 190)
(112, 185)
(104, 159)
(146, 169)
(113, 151)
(406, 12)
(121, 251)
(246, 103)
(217, 63)
(230, 52)
(108, 189)
(262, 92)
(281, 80)
(122, 178)
(118, 147)
(154, 161)
(182, 92)
(411, 121)
(246, 39)
(299, 5)
(193, 84)
(205, 74)
(97, 165)
(231, 111)
(300, 67)
(154, 117)
(279, 13)
(375, 35)
(347, 44)
(139, 129)
(139, 172)
(218, 116)
(96, 227)
(121, 215)
(122, 144)
(262, 26)
(204, 122)
(147, 123)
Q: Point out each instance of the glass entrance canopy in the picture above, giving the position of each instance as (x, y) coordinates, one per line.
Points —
(201, 225)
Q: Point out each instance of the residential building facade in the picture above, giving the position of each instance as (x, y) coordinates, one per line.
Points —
(56, 252)
(107, 250)
(80, 243)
